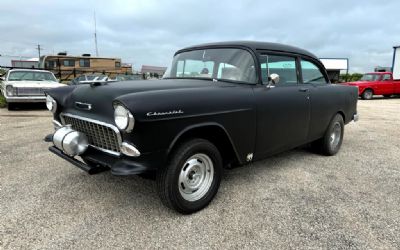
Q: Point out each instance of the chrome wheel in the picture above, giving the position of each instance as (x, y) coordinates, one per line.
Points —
(335, 136)
(196, 177)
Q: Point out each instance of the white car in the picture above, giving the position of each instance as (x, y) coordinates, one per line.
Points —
(27, 85)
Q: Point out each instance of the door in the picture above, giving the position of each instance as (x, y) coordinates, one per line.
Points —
(324, 98)
(386, 85)
(283, 109)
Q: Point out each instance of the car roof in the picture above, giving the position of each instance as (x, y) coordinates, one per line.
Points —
(253, 45)
(36, 70)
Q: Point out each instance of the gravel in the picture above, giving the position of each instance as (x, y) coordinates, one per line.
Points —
(296, 199)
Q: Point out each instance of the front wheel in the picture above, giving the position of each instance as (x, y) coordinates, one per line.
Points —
(191, 179)
(333, 138)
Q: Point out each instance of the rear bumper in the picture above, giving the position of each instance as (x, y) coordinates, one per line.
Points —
(25, 99)
(122, 165)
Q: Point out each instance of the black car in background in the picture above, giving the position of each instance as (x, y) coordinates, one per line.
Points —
(220, 105)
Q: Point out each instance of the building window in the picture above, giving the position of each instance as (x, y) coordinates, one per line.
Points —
(69, 63)
(118, 64)
(51, 64)
(84, 63)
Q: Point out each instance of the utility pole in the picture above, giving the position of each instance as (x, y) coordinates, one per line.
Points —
(95, 35)
(39, 49)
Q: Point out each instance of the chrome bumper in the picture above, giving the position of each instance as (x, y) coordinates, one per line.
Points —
(356, 117)
(24, 99)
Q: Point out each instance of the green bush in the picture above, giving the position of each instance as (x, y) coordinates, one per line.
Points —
(3, 103)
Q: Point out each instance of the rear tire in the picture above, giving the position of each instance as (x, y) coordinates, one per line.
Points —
(192, 178)
(332, 141)
(367, 94)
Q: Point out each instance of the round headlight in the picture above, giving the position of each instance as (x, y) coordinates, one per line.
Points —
(51, 104)
(9, 90)
(123, 118)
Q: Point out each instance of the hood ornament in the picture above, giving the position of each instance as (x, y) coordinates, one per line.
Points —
(84, 106)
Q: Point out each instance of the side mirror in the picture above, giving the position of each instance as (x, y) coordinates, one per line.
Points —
(273, 79)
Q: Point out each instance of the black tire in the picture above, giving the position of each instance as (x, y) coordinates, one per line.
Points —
(387, 96)
(367, 94)
(329, 145)
(168, 179)
(11, 106)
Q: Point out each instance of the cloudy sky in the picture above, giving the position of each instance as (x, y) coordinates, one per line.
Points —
(148, 32)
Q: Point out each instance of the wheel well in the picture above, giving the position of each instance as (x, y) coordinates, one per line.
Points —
(343, 116)
(216, 135)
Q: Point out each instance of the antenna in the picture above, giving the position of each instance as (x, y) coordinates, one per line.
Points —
(95, 35)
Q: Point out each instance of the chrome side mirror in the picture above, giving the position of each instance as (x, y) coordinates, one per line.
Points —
(273, 79)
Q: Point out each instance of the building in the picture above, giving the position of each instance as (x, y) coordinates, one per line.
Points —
(67, 67)
(28, 63)
(334, 66)
(382, 69)
(153, 70)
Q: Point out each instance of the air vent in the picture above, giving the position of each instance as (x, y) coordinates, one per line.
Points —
(85, 54)
(62, 53)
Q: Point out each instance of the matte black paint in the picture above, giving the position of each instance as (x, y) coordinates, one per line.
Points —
(255, 119)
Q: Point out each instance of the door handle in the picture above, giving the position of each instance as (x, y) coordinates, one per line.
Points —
(303, 89)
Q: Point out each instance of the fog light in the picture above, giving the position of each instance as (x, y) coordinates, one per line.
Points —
(129, 150)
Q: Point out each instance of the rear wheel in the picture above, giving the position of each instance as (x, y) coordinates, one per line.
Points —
(367, 94)
(333, 138)
(192, 177)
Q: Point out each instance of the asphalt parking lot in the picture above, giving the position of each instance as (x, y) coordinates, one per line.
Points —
(293, 200)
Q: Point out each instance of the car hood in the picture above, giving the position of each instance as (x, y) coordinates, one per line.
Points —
(133, 94)
(35, 84)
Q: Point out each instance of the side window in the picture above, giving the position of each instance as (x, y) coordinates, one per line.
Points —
(311, 73)
(284, 66)
(386, 77)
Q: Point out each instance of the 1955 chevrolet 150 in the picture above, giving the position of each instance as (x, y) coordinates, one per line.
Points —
(219, 105)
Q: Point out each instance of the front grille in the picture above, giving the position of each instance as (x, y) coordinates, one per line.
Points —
(29, 91)
(100, 135)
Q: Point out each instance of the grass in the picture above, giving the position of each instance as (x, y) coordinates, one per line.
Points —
(3, 103)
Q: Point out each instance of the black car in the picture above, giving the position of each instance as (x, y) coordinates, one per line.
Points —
(220, 105)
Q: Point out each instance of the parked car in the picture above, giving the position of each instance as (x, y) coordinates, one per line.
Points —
(27, 85)
(127, 77)
(87, 79)
(377, 83)
(220, 105)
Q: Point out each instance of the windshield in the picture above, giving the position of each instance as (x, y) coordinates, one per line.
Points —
(370, 77)
(31, 76)
(219, 64)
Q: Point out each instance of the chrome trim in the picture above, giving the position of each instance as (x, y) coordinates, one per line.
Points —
(88, 106)
(131, 122)
(57, 124)
(115, 129)
(136, 152)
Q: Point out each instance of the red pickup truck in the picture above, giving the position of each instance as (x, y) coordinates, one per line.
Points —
(377, 83)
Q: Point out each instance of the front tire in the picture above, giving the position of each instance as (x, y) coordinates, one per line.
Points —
(11, 106)
(192, 178)
(332, 141)
(367, 94)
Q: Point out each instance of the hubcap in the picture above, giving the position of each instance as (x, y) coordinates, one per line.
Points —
(196, 177)
(335, 135)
